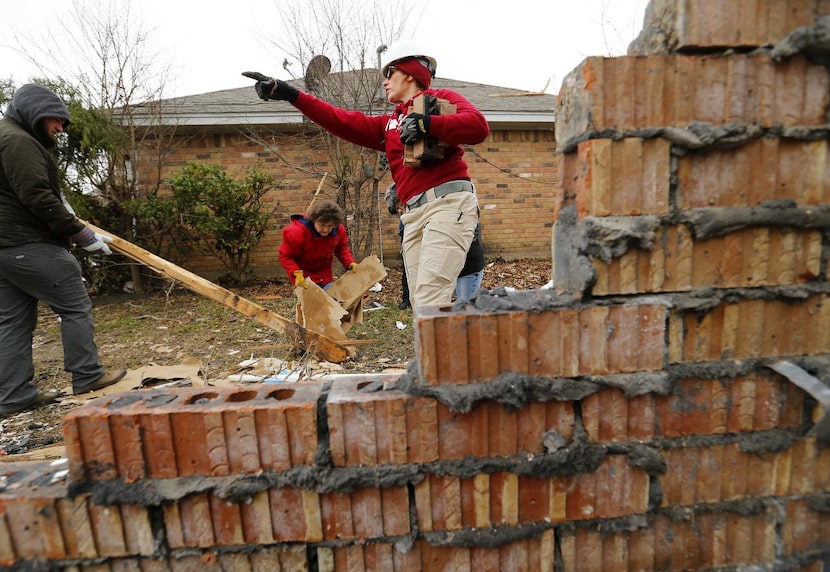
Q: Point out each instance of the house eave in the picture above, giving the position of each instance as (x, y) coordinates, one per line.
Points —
(500, 120)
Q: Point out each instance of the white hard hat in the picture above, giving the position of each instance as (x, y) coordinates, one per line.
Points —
(404, 50)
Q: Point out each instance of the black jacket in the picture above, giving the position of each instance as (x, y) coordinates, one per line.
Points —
(31, 209)
(475, 256)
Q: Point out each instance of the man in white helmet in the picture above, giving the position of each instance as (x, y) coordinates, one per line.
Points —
(441, 205)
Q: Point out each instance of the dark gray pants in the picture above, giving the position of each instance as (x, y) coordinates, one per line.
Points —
(52, 274)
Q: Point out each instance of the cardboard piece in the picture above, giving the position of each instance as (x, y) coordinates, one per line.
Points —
(188, 369)
(336, 310)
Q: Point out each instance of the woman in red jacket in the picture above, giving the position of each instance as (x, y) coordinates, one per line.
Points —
(440, 202)
(310, 243)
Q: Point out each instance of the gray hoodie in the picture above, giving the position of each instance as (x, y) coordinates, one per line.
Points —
(33, 102)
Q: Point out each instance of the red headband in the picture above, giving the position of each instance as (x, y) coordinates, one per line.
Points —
(414, 68)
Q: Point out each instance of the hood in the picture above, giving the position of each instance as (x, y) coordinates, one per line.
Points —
(33, 102)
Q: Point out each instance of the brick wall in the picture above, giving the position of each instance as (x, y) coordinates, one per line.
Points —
(515, 173)
(629, 419)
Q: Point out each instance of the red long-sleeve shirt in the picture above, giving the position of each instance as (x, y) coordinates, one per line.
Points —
(304, 249)
(382, 132)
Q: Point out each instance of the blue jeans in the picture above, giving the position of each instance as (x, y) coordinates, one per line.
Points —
(47, 272)
(467, 286)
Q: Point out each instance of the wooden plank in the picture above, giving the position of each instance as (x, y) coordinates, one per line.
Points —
(320, 345)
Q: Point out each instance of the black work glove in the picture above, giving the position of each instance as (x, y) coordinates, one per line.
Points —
(413, 127)
(270, 88)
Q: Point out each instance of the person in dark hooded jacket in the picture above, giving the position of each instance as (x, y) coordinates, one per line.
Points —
(36, 231)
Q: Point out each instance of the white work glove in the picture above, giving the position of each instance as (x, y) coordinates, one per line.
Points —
(92, 241)
(99, 244)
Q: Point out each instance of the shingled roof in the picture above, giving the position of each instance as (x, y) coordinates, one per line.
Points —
(504, 108)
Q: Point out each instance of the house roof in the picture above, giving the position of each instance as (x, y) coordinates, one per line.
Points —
(504, 108)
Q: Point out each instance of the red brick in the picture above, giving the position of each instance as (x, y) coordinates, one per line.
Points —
(668, 416)
(763, 328)
(395, 508)
(295, 515)
(734, 473)
(761, 170)
(514, 342)
(34, 530)
(191, 437)
(544, 331)
(138, 531)
(196, 521)
(97, 445)
(78, 534)
(724, 23)
(503, 427)
(242, 442)
(7, 552)
(610, 486)
(805, 529)
(707, 486)
(284, 446)
(582, 550)
(593, 346)
(755, 402)
(256, 519)
(380, 427)
(129, 457)
(174, 534)
(299, 404)
(641, 543)
(804, 458)
(504, 499)
(159, 448)
(581, 500)
(676, 478)
(627, 177)
(483, 341)
(588, 100)
(591, 415)
(434, 509)
(226, 518)
(642, 417)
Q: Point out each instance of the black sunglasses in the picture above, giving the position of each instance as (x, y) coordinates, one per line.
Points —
(389, 71)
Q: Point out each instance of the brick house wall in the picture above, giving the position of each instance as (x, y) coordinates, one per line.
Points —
(515, 171)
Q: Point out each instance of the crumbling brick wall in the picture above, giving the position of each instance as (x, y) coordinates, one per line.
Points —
(630, 419)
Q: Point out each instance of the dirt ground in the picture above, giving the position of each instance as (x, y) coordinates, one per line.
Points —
(173, 331)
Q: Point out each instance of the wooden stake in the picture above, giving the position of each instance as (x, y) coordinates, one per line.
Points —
(320, 345)
(317, 192)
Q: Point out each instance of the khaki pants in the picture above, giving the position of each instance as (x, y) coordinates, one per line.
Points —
(436, 238)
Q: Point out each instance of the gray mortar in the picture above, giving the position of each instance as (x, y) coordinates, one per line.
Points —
(700, 135)
(643, 457)
(572, 273)
(610, 237)
(714, 370)
(514, 390)
(708, 298)
(813, 41)
(820, 502)
(658, 35)
(772, 441)
(719, 221)
(492, 537)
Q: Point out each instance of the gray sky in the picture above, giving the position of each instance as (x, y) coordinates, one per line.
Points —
(519, 44)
